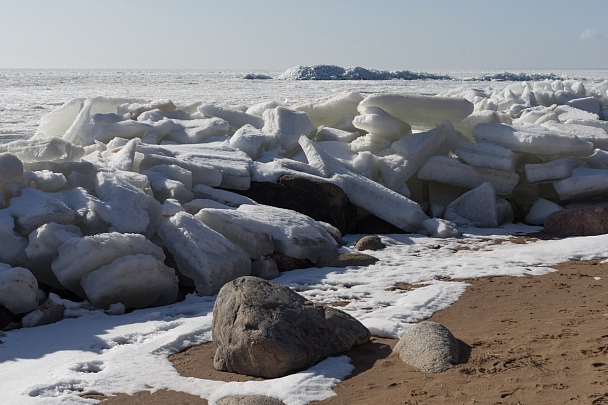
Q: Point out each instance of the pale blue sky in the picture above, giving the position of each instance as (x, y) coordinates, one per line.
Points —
(277, 34)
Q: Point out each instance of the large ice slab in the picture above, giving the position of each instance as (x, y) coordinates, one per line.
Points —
(250, 140)
(444, 169)
(534, 139)
(411, 152)
(583, 183)
(202, 254)
(126, 208)
(486, 155)
(540, 210)
(384, 203)
(421, 112)
(476, 207)
(333, 111)
(197, 130)
(80, 256)
(293, 234)
(136, 281)
(553, 170)
(34, 208)
(376, 121)
(239, 228)
(235, 118)
(44, 149)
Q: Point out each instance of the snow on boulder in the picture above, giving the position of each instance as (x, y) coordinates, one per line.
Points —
(375, 120)
(421, 112)
(18, 288)
(235, 118)
(34, 208)
(476, 208)
(287, 125)
(202, 254)
(447, 170)
(334, 111)
(533, 139)
(80, 256)
(136, 281)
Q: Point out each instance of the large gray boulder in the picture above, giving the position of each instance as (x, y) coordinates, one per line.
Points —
(264, 329)
(428, 346)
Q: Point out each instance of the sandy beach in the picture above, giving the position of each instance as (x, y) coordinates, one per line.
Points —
(526, 340)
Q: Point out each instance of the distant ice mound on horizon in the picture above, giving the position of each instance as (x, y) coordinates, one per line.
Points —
(514, 77)
(332, 72)
(256, 76)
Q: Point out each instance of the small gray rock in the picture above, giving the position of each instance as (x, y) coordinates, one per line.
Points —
(369, 242)
(345, 260)
(249, 400)
(428, 346)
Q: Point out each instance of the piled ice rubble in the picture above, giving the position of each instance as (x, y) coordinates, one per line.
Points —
(122, 200)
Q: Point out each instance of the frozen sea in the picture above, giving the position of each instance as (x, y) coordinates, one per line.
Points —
(94, 352)
(27, 94)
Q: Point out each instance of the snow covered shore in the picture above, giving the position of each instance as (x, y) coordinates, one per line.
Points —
(95, 201)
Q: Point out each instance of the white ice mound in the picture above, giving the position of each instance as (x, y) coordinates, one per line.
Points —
(287, 125)
(250, 140)
(202, 254)
(533, 139)
(80, 256)
(421, 112)
(18, 288)
(136, 281)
